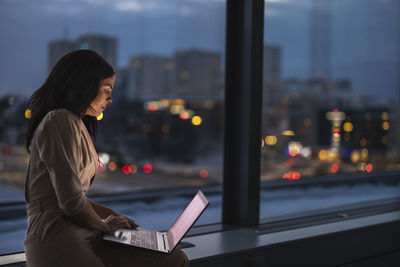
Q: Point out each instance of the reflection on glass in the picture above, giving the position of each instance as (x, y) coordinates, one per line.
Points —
(331, 91)
(164, 127)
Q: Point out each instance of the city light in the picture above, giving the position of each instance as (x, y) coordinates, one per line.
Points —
(385, 116)
(134, 168)
(271, 140)
(179, 102)
(105, 158)
(28, 113)
(369, 167)
(348, 127)
(323, 154)
(288, 133)
(334, 168)
(152, 106)
(196, 120)
(127, 169)
(385, 126)
(361, 166)
(147, 168)
(100, 116)
(306, 152)
(177, 109)
(292, 175)
(203, 174)
(294, 148)
(112, 166)
(184, 115)
(355, 156)
(165, 103)
(364, 154)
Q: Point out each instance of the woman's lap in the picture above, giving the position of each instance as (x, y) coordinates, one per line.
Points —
(100, 253)
(113, 254)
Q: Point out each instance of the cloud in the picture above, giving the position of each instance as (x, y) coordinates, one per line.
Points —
(132, 5)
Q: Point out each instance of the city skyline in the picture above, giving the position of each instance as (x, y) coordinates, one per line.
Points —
(159, 28)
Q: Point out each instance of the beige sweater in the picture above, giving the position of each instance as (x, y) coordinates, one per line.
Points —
(63, 161)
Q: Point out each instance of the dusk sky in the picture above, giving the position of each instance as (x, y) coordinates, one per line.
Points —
(365, 35)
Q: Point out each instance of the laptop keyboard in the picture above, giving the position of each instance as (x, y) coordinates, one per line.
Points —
(144, 239)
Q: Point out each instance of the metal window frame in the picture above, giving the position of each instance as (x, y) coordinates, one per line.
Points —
(243, 107)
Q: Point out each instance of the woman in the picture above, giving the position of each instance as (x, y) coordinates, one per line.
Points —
(64, 226)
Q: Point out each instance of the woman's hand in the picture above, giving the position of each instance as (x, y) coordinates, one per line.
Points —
(118, 222)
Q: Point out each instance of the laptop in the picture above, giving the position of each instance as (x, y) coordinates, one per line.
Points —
(163, 241)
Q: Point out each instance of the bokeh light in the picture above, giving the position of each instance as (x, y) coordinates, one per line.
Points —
(294, 148)
(288, 133)
(355, 156)
(196, 120)
(385, 125)
(348, 127)
(105, 158)
(271, 140)
(334, 168)
(134, 169)
(292, 175)
(147, 168)
(203, 174)
(112, 166)
(28, 113)
(323, 154)
(127, 169)
(100, 116)
(369, 167)
(184, 115)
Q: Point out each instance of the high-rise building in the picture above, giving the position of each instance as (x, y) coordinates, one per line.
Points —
(272, 64)
(271, 72)
(57, 49)
(197, 75)
(321, 39)
(149, 77)
(121, 85)
(102, 44)
(274, 114)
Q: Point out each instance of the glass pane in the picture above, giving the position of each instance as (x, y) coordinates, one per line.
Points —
(330, 103)
(163, 130)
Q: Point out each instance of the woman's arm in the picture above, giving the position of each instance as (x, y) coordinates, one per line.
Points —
(104, 212)
(88, 218)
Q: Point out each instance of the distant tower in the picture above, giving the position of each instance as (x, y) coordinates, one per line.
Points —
(271, 72)
(321, 39)
(197, 75)
(150, 77)
(104, 45)
(57, 49)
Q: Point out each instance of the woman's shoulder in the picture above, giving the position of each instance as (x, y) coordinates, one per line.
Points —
(61, 118)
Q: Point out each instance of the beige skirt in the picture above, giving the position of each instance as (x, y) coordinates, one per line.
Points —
(99, 253)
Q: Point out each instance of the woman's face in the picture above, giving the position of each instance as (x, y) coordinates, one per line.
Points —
(103, 97)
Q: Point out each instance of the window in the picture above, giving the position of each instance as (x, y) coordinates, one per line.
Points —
(163, 130)
(331, 104)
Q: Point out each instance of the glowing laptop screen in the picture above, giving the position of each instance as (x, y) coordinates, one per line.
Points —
(188, 217)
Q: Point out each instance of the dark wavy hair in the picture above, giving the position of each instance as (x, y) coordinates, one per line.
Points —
(72, 84)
